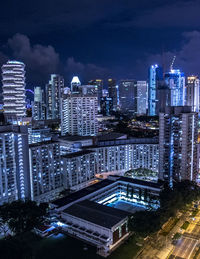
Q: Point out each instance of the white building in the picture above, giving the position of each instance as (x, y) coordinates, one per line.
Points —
(13, 79)
(45, 171)
(78, 169)
(142, 97)
(14, 163)
(192, 93)
(178, 133)
(79, 115)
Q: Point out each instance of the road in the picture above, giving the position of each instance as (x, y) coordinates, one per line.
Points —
(184, 248)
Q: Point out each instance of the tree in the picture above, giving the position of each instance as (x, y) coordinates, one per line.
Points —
(22, 216)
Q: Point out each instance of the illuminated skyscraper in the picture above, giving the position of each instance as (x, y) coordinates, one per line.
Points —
(13, 79)
(38, 106)
(142, 97)
(175, 80)
(54, 90)
(112, 91)
(99, 84)
(178, 133)
(192, 93)
(75, 83)
(155, 76)
(128, 96)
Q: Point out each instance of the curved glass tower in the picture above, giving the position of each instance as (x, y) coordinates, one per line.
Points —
(13, 79)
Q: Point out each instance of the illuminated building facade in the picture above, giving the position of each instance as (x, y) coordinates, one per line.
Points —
(178, 133)
(46, 179)
(78, 169)
(14, 164)
(54, 90)
(113, 92)
(75, 83)
(106, 105)
(38, 106)
(13, 79)
(155, 75)
(127, 96)
(192, 93)
(175, 80)
(79, 114)
(99, 84)
(142, 97)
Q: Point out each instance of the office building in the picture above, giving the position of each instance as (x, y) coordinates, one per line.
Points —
(142, 97)
(106, 105)
(79, 115)
(113, 92)
(14, 163)
(192, 93)
(75, 83)
(13, 80)
(175, 81)
(99, 84)
(46, 179)
(155, 76)
(38, 106)
(178, 133)
(127, 96)
(54, 90)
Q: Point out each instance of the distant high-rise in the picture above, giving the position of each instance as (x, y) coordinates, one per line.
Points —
(192, 93)
(54, 90)
(38, 106)
(155, 76)
(79, 112)
(106, 106)
(142, 97)
(75, 83)
(175, 80)
(178, 133)
(99, 84)
(14, 163)
(112, 91)
(13, 79)
(127, 96)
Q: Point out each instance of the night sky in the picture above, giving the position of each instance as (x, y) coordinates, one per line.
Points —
(99, 38)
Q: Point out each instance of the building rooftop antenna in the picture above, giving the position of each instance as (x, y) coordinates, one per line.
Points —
(173, 60)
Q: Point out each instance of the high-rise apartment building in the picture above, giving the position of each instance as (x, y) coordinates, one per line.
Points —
(113, 92)
(178, 133)
(127, 96)
(75, 83)
(14, 163)
(13, 80)
(38, 106)
(99, 84)
(142, 97)
(54, 90)
(155, 76)
(175, 81)
(46, 179)
(78, 169)
(79, 115)
(192, 93)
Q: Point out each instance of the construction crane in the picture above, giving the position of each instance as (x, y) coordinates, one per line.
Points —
(173, 60)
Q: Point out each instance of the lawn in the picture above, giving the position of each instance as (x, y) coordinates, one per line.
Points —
(185, 225)
(169, 226)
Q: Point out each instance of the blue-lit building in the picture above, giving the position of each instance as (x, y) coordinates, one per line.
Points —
(155, 75)
(175, 80)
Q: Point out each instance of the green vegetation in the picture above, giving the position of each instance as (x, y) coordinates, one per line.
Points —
(169, 226)
(185, 225)
(22, 216)
(194, 213)
(197, 254)
(171, 201)
(141, 172)
(176, 236)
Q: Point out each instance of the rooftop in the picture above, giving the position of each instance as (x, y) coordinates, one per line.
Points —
(81, 193)
(43, 143)
(75, 138)
(96, 213)
(79, 153)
